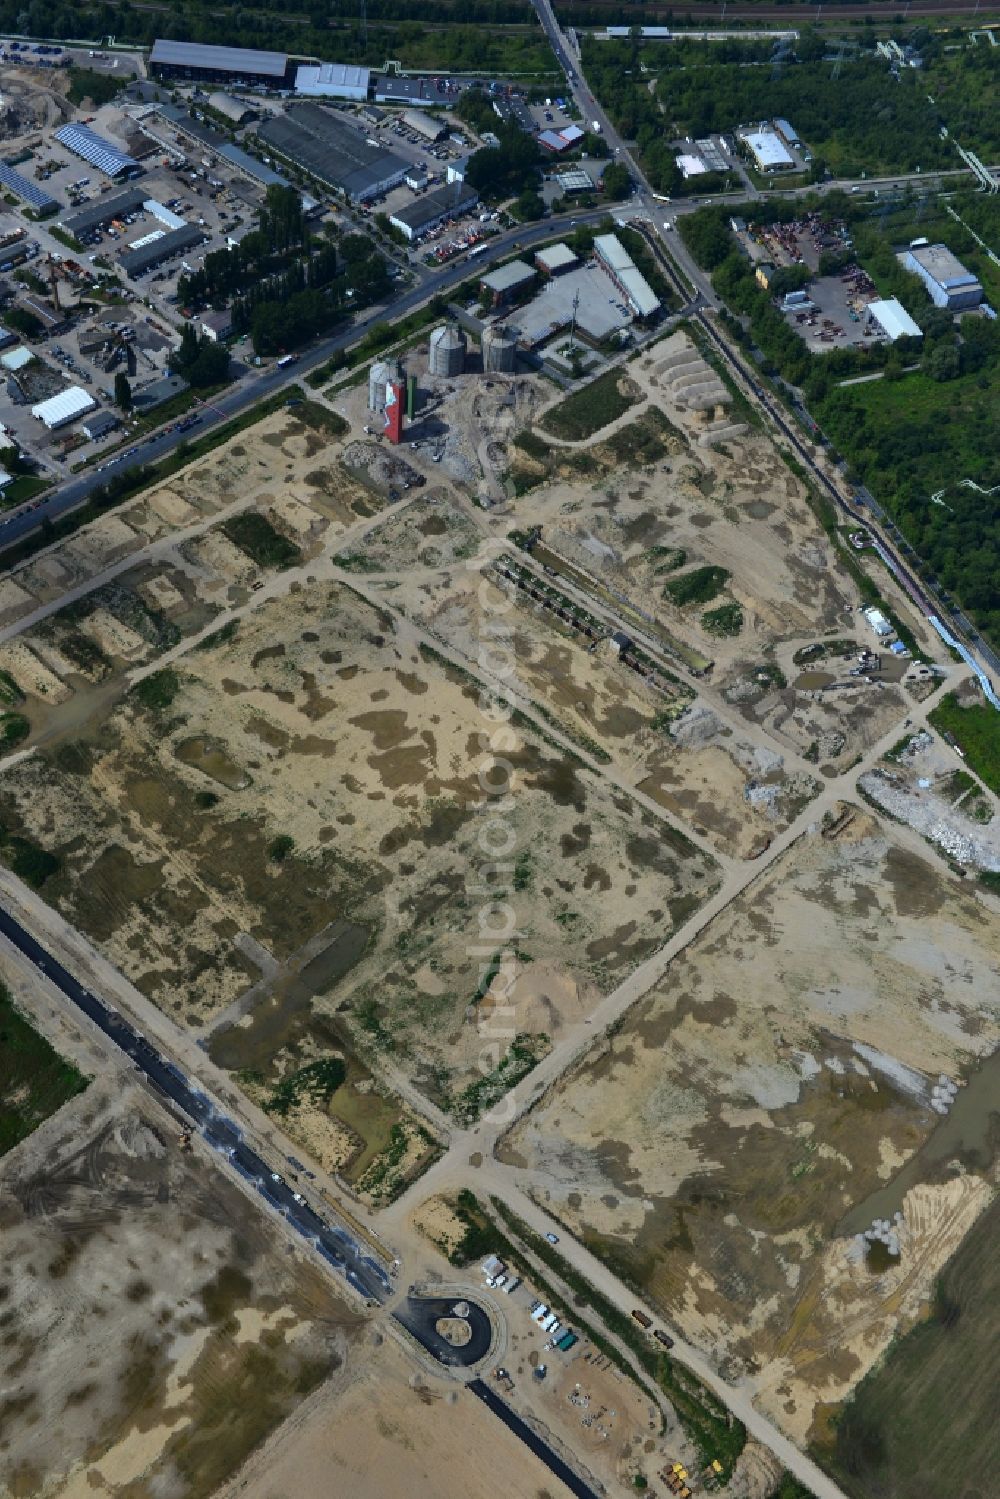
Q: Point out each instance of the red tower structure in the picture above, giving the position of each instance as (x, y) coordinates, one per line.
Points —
(394, 397)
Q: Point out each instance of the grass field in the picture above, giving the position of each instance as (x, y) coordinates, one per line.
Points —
(697, 586)
(34, 1079)
(587, 410)
(977, 730)
(920, 1423)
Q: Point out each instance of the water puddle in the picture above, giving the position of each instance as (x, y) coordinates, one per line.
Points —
(966, 1134)
(208, 756)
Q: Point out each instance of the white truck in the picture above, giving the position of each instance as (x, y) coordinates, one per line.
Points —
(595, 126)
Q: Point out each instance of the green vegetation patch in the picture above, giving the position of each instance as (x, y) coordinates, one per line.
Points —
(726, 620)
(101, 88)
(254, 534)
(592, 407)
(157, 691)
(320, 418)
(924, 1413)
(316, 1083)
(14, 729)
(976, 730)
(34, 1080)
(699, 586)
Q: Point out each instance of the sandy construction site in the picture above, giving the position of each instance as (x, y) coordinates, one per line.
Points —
(155, 1330)
(751, 1116)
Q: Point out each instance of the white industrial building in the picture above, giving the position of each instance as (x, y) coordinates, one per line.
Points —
(690, 165)
(623, 271)
(892, 320)
(332, 80)
(878, 621)
(63, 408)
(768, 151)
(945, 277)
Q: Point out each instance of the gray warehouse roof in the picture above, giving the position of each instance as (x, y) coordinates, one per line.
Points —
(104, 210)
(506, 277)
(433, 207)
(331, 151)
(136, 262)
(945, 267)
(28, 192)
(252, 167)
(94, 149)
(240, 61)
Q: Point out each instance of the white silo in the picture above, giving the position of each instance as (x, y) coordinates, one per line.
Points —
(382, 373)
(499, 350)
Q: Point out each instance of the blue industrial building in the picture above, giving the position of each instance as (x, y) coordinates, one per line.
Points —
(950, 285)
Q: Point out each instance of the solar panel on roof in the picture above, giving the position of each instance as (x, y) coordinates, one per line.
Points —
(28, 192)
(95, 150)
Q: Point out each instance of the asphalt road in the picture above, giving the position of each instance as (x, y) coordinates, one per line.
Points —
(334, 1244)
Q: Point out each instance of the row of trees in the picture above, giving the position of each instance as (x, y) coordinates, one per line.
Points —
(284, 311)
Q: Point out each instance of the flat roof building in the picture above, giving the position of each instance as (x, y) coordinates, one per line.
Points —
(690, 165)
(97, 152)
(506, 281)
(787, 133)
(433, 209)
(949, 283)
(555, 258)
(626, 275)
(152, 252)
(332, 80)
(99, 425)
(221, 64)
(63, 408)
(768, 152)
(575, 180)
(892, 320)
(216, 325)
(423, 92)
(333, 152)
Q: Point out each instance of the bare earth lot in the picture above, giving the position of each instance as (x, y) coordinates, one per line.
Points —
(153, 1328)
(781, 1074)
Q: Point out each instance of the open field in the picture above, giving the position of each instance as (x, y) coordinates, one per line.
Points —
(155, 1331)
(752, 1115)
(165, 835)
(34, 1080)
(921, 1421)
(398, 1433)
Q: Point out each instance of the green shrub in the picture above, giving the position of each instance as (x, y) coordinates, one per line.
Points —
(157, 692)
(698, 586)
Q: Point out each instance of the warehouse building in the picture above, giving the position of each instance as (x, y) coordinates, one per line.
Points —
(29, 192)
(891, 320)
(231, 109)
(216, 326)
(102, 212)
(945, 277)
(788, 134)
(63, 408)
(218, 64)
(97, 152)
(433, 209)
(333, 152)
(251, 167)
(508, 281)
(422, 92)
(425, 125)
(333, 80)
(147, 254)
(767, 150)
(626, 276)
(99, 425)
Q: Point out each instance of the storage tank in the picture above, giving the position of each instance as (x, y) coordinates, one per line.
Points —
(382, 373)
(499, 350)
(447, 351)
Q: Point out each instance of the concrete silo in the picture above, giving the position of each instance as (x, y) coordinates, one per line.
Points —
(383, 373)
(447, 351)
(499, 350)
